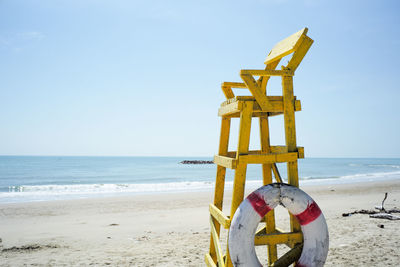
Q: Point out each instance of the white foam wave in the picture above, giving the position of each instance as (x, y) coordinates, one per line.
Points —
(56, 192)
(354, 178)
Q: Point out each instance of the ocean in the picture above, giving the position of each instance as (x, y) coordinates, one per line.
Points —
(42, 178)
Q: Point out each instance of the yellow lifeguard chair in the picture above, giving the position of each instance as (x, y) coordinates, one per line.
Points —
(260, 105)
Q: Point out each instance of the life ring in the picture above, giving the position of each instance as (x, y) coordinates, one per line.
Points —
(260, 202)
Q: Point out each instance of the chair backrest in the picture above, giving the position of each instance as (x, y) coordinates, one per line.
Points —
(286, 46)
(297, 43)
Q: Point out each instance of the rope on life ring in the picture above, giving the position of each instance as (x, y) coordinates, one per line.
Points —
(260, 202)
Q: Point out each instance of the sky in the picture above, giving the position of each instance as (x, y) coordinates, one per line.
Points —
(142, 78)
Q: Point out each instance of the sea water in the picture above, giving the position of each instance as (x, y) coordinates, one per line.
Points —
(36, 178)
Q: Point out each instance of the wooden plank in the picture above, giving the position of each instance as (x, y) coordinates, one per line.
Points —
(209, 261)
(217, 245)
(227, 92)
(234, 84)
(220, 177)
(284, 149)
(275, 107)
(226, 162)
(274, 149)
(237, 98)
(286, 46)
(278, 238)
(278, 177)
(251, 98)
(263, 80)
(256, 91)
(299, 54)
(229, 109)
(300, 151)
(290, 137)
(267, 72)
(240, 172)
(220, 216)
(269, 219)
(244, 128)
(289, 257)
(268, 158)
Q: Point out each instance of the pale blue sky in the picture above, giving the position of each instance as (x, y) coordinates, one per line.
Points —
(143, 77)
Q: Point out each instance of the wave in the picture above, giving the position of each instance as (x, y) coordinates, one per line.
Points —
(353, 178)
(29, 193)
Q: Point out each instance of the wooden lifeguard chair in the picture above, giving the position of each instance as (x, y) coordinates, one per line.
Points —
(260, 105)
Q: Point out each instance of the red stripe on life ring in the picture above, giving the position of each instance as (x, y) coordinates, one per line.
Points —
(258, 204)
(311, 213)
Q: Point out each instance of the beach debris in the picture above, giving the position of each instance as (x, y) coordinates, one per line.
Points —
(379, 213)
(382, 208)
(197, 162)
(381, 226)
(113, 224)
(387, 216)
(32, 247)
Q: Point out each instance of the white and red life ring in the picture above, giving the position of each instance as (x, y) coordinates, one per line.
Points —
(260, 202)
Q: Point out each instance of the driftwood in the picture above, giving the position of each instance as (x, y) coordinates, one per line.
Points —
(380, 212)
(385, 216)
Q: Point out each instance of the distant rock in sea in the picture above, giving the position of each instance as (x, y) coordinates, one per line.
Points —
(197, 162)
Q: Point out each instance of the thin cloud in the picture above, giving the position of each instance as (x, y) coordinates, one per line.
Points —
(32, 35)
(18, 41)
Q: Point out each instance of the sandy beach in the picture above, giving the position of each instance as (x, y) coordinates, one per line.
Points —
(173, 229)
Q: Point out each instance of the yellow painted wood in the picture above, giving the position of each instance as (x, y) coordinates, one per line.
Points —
(250, 98)
(255, 90)
(217, 245)
(278, 238)
(269, 219)
(244, 128)
(263, 80)
(240, 173)
(275, 106)
(234, 84)
(258, 104)
(284, 149)
(220, 177)
(267, 72)
(226, 162)
(209, 261)
(227, 92)
(217, 214)
(286, 46)
(290, 137)
(229, 109)
(299, 54)
(278, 177)
(268, 158)
(289, 257)
(274, 150)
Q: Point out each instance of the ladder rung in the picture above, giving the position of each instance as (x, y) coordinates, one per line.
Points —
(217, 214)
(278, 238)
(232, 162)
(226, 162)
(274, 149)
(268, 158)
(209, 261)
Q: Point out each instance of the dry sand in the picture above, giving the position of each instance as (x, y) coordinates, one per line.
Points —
(173, 229)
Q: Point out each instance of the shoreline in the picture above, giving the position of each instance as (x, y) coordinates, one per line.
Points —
(250, 185)
(127, 230)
